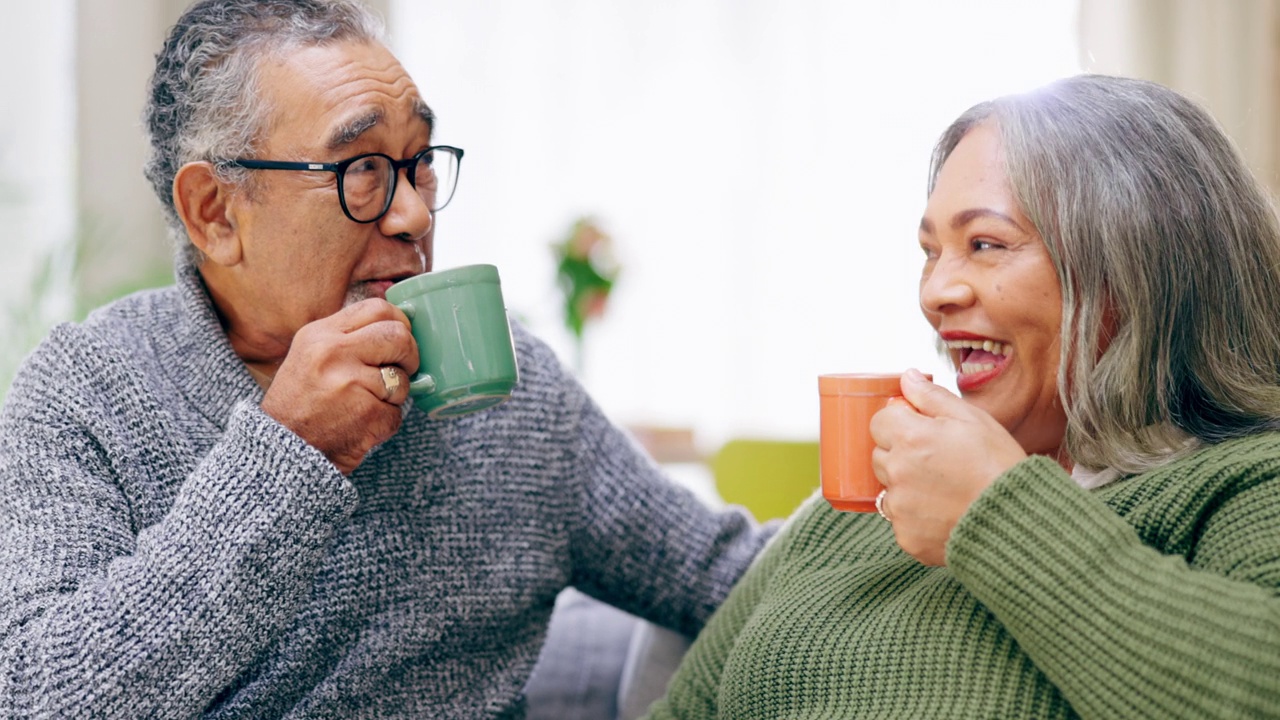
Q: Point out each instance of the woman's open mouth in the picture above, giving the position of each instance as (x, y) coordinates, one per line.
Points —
(979, 360)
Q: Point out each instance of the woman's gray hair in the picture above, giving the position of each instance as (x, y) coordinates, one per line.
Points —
(204, 103)
(1161, 236)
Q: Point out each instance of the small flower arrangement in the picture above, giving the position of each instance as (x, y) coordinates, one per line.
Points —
(585, 271)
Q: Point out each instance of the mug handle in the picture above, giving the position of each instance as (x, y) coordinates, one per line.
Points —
(422, 383)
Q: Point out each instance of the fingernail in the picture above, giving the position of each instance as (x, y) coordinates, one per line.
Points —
(915, 376)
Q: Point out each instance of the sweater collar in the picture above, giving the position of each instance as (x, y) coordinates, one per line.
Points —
(1090, 478)
(205, 366)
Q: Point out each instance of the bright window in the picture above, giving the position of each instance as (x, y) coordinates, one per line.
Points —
(37, 180)
(761, 166)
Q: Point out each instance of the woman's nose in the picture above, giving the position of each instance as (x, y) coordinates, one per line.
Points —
(946, 286)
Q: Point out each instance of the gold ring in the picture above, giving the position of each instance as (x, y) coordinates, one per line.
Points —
(880, 506)
(390, 380)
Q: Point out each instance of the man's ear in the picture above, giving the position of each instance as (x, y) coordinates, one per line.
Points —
(204, 204)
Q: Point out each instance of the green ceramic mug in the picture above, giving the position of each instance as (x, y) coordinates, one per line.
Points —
(466, 353)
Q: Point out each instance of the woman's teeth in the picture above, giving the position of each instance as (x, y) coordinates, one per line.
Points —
(991, 346)
(987, 347)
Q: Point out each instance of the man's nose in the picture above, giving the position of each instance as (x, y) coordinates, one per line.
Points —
(408, 218)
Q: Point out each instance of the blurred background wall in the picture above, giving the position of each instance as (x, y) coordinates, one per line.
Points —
(759, 165)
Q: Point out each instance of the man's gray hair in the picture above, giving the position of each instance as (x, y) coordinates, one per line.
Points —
(204, 103)
(1160, 234)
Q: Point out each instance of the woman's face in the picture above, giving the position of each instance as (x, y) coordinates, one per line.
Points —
(990, 290)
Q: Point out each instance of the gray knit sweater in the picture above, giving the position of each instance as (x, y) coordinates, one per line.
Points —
(168, 550)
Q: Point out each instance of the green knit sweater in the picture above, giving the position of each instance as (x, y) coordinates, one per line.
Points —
(1152, 597)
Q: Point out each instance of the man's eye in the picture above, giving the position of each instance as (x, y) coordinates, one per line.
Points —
(365, 165)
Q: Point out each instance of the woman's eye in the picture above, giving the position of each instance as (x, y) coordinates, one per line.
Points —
(983, 243)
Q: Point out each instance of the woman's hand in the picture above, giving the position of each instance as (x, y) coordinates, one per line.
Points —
(934, 457)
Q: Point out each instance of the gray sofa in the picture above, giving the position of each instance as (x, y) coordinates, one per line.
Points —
(600, 663)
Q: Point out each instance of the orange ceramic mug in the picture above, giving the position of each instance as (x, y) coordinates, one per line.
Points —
(848, 400)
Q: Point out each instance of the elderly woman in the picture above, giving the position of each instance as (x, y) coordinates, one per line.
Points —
(1094, 530)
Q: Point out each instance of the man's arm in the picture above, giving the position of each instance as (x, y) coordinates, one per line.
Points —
(642, 542)
(103, 617)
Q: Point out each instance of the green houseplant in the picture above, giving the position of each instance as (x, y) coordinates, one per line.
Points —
(586, 270)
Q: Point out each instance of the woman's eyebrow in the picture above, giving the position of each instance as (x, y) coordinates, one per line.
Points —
(964, 217)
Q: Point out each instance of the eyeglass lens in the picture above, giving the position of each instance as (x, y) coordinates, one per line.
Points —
(367, 181)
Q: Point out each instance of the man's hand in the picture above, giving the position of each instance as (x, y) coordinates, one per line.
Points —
(329, 389)
(934, 456)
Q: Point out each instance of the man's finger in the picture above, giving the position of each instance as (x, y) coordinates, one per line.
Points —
(366, 312)
(385, 343)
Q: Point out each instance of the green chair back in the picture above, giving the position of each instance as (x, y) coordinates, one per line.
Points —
(768, 477)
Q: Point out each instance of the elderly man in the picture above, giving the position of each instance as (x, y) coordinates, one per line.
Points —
(214, 500)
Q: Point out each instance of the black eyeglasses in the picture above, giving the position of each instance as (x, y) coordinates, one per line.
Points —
(367, 183)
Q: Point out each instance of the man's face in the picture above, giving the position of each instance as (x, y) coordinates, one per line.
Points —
(303, 258)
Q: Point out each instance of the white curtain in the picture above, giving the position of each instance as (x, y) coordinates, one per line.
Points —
(1224, 53)
(761, 166)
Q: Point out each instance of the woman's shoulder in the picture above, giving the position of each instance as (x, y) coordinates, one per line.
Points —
(1250, 459)
(1209, 490)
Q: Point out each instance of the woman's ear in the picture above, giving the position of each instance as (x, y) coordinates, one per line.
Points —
(204, 204)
